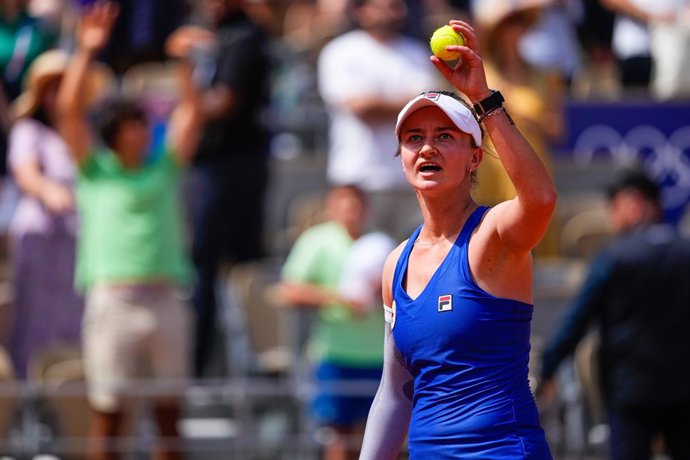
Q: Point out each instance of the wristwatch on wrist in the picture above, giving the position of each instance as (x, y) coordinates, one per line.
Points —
(489, 104)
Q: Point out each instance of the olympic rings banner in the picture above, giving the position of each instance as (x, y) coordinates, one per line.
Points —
(655, 135)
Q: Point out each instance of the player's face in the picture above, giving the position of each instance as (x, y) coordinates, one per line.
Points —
(434, 152)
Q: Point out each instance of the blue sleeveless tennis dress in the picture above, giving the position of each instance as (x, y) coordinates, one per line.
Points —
(468, 352)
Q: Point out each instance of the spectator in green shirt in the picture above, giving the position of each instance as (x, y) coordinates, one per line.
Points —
(345, 343)
(131, 260)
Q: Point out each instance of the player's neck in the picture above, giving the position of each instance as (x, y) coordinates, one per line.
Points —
(445, 220)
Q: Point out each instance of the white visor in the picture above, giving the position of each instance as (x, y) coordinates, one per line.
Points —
(460, 115)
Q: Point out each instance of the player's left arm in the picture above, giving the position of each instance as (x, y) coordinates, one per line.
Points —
(391, 409)
(390, 412)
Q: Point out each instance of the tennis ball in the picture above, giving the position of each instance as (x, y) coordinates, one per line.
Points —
(442, 37)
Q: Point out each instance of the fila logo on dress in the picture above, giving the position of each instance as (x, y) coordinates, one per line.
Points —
(445, 303)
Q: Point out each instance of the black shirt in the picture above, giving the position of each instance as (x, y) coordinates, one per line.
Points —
(638, 293)
(242, 64)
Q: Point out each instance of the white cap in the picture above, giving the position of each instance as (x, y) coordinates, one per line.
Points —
(458, 113)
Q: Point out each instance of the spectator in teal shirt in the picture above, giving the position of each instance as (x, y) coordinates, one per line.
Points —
(22, 39)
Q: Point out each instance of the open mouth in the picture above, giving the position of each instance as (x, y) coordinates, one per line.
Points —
(429, 167)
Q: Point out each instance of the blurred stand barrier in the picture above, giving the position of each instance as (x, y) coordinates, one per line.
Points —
(261, 412)
(247, 418)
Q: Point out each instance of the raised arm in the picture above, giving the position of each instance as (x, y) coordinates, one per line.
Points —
(187, 119)
(390, 412)
(237, 64)
(521, 222)
(93, 34)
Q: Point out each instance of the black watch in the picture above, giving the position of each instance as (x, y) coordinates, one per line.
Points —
(489, 104)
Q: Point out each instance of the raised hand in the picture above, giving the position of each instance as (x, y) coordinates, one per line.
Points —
(468, 74)
(181, 42)
(96, 25)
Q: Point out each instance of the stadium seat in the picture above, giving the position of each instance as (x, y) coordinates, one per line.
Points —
(59, 373)
(9, 398)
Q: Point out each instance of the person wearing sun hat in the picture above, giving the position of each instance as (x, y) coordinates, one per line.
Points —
(22, 38)
(47, 310)
(49, 68)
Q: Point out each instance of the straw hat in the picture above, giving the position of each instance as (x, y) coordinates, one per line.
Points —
(489, 13)
(48, 66)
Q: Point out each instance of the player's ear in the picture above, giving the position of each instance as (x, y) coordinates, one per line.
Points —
(477, 156)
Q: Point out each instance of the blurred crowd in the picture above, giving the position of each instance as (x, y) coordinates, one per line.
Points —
(271, 80)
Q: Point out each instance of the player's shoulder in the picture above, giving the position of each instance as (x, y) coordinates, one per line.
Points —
(389, 271)
(393, 256)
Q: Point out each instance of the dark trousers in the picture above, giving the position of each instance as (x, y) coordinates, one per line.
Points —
(226, 205)
(633, 428)
(635, 72)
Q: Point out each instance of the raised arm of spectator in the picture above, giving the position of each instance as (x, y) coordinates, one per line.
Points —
(93, 33)
(187, 118)
(220, 99)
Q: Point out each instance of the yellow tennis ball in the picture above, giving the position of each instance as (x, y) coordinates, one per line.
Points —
(442, 37)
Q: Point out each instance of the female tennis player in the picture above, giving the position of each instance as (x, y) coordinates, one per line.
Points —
(458, 292)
